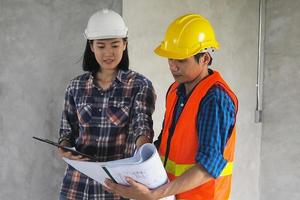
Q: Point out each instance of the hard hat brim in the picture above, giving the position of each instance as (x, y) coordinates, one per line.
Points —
(97, 35)
(168, 54)
(174, 55)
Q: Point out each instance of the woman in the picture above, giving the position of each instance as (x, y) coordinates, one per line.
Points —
(107, 111)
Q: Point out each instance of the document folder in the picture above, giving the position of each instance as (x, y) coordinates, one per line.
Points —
(65, 148)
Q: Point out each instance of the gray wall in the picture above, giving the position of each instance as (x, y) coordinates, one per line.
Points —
(236, 26)
(41, 47)
(280, 157)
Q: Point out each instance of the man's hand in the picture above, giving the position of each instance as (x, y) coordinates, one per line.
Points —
(135, 190)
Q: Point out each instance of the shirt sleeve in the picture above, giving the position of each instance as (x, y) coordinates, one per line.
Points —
(215, 120)
(143, 108)
(69, 122)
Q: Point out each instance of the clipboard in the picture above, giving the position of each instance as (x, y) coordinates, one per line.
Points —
(65, 148)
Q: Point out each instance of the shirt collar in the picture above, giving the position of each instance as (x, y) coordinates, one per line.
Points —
(122, 76)
(181, 92)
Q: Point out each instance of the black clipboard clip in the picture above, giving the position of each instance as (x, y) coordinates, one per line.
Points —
(92, 158)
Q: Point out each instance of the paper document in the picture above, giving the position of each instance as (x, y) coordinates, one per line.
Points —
(144, 167)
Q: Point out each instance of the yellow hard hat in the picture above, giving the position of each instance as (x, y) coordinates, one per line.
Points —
(187, 36)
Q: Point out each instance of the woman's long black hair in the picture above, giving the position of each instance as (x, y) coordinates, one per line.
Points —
(90, 63)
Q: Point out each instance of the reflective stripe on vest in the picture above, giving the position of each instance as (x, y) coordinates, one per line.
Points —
(177, 170)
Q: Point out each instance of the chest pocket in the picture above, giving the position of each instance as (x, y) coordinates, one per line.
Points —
(87, 110)
(118, 110)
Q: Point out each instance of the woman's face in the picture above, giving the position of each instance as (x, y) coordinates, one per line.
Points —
(108, 52)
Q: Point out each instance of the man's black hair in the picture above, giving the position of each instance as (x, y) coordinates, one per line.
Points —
(199, 55)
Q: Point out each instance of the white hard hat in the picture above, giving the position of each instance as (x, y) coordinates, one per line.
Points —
(105, 24)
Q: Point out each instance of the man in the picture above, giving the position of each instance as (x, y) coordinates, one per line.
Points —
(198, 137)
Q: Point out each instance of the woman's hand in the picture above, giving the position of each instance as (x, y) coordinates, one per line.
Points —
(67, 154)
(142, 140)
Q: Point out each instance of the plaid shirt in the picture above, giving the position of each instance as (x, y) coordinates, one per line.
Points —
(104, 124)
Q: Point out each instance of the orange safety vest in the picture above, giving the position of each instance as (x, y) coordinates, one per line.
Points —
(184, 142)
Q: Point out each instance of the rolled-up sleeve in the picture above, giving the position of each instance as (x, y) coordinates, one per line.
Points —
(215, 120)
(69, 121)
(143, 108)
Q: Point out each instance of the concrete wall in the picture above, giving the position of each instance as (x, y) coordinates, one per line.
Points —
(41, 47)
(280, 157)
(236, 26)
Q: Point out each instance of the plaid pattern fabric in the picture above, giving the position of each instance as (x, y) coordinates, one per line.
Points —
(105, 124)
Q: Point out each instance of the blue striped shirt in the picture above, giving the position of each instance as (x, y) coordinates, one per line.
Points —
(216, 118)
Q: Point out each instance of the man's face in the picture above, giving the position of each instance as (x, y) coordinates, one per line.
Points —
(186, 70)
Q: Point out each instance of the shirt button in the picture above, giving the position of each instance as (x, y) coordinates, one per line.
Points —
(182, 104)
(100, 109)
